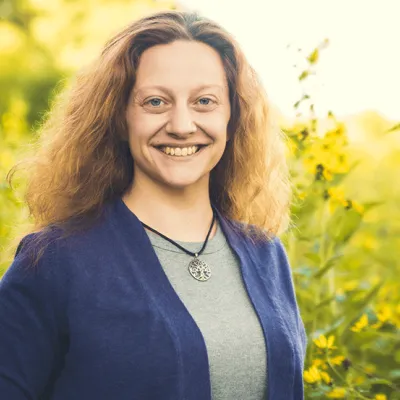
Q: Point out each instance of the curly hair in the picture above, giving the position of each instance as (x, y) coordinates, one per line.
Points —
(82, 159)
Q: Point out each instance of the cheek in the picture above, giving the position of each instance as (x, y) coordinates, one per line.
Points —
(142, 127)
(216, 125)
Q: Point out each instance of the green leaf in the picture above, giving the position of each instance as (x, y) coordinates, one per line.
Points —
(313, 57)
(379, 381)
(352, 318)
(371, 205)
(395, 374)
(393, 128)
(314, 257)
(343, 225)
(328, 330)
(303, 271)
(338, 178)
(326, 267)
(325, 302)
(303, 75)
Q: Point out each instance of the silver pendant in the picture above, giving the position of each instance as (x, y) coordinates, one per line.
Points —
(199, 269)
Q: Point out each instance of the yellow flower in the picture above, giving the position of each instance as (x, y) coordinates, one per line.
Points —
(342, 164)
(380, 396)
(325, 377)
(360, 324)
(370, 368)
(384, 313)
(377, 325)
(327, 174)
(310, 163)
(337, 393)
(358, 207)
(336, 360)
(336, 198)
(359, 380)
(323, 343)
(312, 375)
(317, 362)
(336, 193)
(301, 195)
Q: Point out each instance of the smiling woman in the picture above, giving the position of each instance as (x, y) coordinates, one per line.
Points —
(154, 269)
(180, 103)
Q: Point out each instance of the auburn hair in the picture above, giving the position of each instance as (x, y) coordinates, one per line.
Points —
(82, 159)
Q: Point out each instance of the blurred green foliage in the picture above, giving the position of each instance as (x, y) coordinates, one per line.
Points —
(344, 245)
(42, 43)
(344, 248)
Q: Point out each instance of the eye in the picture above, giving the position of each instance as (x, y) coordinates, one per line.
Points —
(205, 101)
(155, 102)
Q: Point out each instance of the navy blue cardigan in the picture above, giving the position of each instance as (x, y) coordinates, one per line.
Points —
(99, 319)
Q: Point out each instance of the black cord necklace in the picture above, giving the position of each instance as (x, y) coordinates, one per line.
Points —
(197, 268)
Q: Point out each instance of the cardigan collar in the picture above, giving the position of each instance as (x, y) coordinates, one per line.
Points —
(259, 278)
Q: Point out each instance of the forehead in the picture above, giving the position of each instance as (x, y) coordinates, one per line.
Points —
(181, 64)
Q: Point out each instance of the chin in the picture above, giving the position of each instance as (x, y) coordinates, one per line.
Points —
(183, 182)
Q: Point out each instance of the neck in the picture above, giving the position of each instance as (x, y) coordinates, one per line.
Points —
(182, 215)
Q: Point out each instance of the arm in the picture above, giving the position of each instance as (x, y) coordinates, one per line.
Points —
(29, 325)
(303, 335)
(300, 325)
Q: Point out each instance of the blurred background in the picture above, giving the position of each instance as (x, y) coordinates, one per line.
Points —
(331, 70)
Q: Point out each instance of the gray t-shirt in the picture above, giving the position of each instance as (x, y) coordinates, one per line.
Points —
(223, 312)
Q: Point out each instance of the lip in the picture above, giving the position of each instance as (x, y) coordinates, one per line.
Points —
(181, 146)
(187, 158)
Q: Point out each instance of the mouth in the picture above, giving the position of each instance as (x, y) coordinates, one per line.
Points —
(181, 152)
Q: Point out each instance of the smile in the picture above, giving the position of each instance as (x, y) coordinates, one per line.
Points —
(181, 151)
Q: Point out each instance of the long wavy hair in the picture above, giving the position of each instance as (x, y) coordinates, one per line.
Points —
(82, 159)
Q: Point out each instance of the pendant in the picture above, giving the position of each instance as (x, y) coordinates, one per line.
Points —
(199, 269)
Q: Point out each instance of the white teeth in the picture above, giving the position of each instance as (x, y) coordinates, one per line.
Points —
(179, 152)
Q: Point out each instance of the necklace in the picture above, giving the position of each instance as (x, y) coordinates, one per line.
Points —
(197, 268)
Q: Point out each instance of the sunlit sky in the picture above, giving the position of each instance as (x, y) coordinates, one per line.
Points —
(359, 70)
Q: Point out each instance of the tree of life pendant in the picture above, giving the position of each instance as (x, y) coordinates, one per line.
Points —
(199, 269)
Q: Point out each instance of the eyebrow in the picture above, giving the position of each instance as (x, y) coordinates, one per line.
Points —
(169, 92)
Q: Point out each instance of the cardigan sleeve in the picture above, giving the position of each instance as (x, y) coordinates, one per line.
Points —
(300, 324)
(303, 335)
(29, 325)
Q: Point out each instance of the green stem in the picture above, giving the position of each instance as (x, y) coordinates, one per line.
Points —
(335, 371)
(390, 384)
(343, 380)
(331, 282)
(317, 297)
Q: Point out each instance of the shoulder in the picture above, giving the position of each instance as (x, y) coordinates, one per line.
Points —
(255, 238)
(267, 250)
(36, 260)
(261, 246)
(51, 248)
(34, 274)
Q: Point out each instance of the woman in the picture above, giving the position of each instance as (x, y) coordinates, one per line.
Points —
(154, 270)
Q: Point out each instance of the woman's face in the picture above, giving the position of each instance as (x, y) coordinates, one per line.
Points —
(180, 102)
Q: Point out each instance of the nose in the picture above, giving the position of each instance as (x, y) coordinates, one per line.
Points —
(180, 122)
